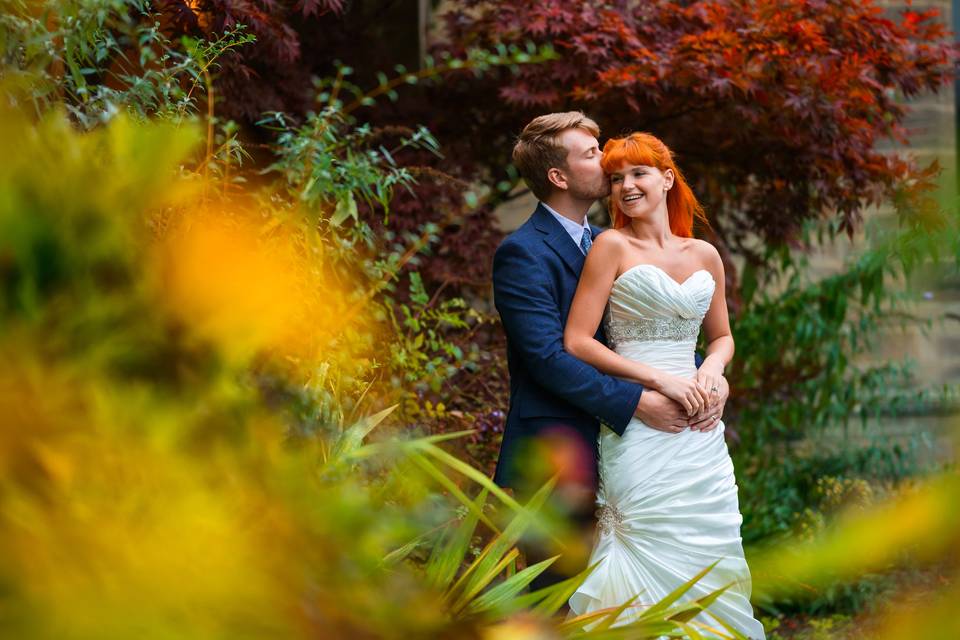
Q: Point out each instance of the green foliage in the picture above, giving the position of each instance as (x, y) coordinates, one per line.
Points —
(878, 543)
(100, 58)
(329, 163)
(477, 61)
(804, 336)
(797, 501)
(330, 170)
(778, 489)
(141, 443)
(807, 372)
(338, 178)
(289, 424)
(109, 303)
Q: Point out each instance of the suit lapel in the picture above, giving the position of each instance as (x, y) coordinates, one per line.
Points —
(558, 239)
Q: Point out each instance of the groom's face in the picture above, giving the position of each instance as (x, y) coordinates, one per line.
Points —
(585, 177)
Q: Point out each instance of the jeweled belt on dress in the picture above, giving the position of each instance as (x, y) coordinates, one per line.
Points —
(675, 329)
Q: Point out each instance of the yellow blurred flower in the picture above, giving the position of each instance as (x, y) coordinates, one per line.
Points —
(247, 289)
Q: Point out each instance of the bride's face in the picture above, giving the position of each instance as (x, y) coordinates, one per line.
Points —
(640, 190)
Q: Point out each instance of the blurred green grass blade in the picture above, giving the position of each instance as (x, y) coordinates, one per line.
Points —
(612, 616)
(447, 557)
(379, 448)
(645, 631)
(504, 592)
(693, 608)
(651, 630)
(637, 630)
(352, 438)
(550, 600)
(660, 607)
(479, 581)
(450, 486)
(402, 552)
(477, 574)
(466, 470)
(690, 630)
(736, 635)
(443, 437)
(685, 614)
(575, 624)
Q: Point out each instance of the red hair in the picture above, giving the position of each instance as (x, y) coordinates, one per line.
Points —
(648, 150)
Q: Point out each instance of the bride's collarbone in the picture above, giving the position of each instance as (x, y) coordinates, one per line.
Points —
(684, 262)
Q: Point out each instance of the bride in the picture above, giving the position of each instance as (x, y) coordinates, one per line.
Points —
(667, 499)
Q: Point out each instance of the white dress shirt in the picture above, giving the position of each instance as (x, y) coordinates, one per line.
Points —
(575, 230)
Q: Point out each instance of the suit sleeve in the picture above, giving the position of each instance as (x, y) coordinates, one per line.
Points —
(531, 319)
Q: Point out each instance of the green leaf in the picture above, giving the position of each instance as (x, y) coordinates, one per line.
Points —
(481, 580)
(615, 613)
(677, 593)
(352, 437)
(465, 469)
(446, 558)
(346, 208)
(399, 554)
(693, 608)
(556, 596)
(449, 485)
(504, 592)
(489, 562)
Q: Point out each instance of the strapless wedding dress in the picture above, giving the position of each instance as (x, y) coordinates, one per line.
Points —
(667, 502)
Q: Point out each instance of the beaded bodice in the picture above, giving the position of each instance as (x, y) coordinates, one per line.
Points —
(647, 305)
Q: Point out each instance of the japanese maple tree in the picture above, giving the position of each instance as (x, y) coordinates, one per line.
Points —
(775, 109)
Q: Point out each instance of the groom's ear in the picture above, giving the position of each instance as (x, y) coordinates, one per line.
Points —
(557, 178)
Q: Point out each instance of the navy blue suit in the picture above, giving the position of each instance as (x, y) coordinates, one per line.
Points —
(535, 274)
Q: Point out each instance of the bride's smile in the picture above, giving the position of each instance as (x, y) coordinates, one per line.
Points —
(639, 189)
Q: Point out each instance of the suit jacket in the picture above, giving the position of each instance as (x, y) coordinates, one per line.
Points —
(535, 274)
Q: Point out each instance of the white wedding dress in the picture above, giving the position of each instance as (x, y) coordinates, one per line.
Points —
(667, 502)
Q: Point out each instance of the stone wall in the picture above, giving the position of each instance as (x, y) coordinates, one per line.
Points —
(936, 296)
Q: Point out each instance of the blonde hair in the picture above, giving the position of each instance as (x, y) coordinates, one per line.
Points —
(538, 148)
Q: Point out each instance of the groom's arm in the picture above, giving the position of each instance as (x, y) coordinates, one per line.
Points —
(531, 318)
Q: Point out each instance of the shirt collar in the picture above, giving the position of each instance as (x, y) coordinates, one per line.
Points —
(575, 230)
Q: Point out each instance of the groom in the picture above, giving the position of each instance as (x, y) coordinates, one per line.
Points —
(558, 402)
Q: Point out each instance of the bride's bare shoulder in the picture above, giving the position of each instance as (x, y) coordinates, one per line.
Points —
(610, 240)
(705, 255)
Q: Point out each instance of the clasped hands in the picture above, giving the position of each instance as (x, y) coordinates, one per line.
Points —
(699, 408)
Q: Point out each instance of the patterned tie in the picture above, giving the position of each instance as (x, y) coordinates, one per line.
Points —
(585, 242)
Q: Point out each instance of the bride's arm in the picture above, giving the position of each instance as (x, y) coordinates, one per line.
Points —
(593, 291)
(716, 324)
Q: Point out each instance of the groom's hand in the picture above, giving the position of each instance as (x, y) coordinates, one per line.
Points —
(660, 412)
(709, 417)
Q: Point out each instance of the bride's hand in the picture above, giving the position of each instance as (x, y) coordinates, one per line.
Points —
(691, 395)
(710, 378)
(709, 418)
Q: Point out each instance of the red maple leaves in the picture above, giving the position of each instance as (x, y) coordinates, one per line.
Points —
(776, 109)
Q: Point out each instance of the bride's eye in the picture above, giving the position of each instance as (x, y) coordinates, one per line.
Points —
(614, 178)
